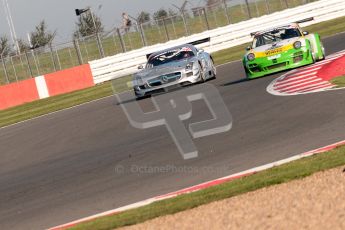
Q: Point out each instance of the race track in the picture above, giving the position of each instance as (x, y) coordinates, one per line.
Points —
(62, 167)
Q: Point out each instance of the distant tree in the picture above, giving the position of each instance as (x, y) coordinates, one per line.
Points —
(143, 17)
(41, 36)
(172, 13)
(4, 46)
(86, 26)
(161, 13)
(23, 46)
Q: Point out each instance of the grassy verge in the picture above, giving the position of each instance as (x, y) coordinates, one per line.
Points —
(339, 81)
(277, 175)
(37, 108)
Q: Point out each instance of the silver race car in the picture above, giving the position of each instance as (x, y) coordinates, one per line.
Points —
(177, 66)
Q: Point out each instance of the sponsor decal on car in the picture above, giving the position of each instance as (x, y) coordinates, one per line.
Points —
(272, 52)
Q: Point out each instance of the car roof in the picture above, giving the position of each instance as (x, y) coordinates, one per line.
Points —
(171, 48)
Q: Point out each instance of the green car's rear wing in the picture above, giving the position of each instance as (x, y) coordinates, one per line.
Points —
(298, 22)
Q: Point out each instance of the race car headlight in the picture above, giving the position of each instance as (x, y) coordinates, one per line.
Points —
(189, 67)
(297, 45)
(251, 57)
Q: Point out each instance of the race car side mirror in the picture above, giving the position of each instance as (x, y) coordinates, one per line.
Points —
(305, 32)
(141, 67)
(248, 48)
(200, 51)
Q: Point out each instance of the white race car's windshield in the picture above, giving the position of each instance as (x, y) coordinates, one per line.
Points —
(170, 56)
(275, 36)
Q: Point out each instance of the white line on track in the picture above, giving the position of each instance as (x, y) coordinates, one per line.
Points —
(323, 87)
(323, 83)
(293, 83)
(303, 84)
(288, 79)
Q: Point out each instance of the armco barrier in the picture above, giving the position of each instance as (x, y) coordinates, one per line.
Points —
(60, 82)
(18, 93)
(221, 38)
(69, 80)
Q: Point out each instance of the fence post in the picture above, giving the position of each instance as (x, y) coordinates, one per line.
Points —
(58, 59)
(267, 7)
(142, 35)
(286, 4)
(28, 62)
(121, 40)
(5, 69)
(206, 20)
(166, 29)
(14, 69)
(172, 19)
(226, 12)
(248, 9)
(185, 23)
(99, 44)
(52, 56)
(77, 50)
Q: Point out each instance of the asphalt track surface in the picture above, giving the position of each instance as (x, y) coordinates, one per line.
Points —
(62, 167)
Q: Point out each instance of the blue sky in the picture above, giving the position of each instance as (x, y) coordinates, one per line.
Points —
(59, 14)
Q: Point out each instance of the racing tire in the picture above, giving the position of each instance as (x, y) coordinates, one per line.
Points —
(202, 74)
(214, 70)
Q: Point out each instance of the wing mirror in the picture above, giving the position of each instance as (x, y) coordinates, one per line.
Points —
(305, 32)
(248, 48)
(141, 67)
(200, 51)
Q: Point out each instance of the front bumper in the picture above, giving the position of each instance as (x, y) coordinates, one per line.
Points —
(288, 60)
(157, 85)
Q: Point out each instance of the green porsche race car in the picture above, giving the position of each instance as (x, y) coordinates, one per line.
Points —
(281, 48)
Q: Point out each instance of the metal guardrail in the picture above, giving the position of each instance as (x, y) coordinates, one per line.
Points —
(179, 24)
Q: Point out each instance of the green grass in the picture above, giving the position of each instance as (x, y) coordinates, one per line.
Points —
(37, 108)
(339, 81)
(277, 175)
(52, 104)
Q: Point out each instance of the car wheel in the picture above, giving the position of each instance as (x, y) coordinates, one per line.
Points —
(202, 73)
(214, 70)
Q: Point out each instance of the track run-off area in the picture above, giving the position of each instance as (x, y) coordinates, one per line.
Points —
(89, 159)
